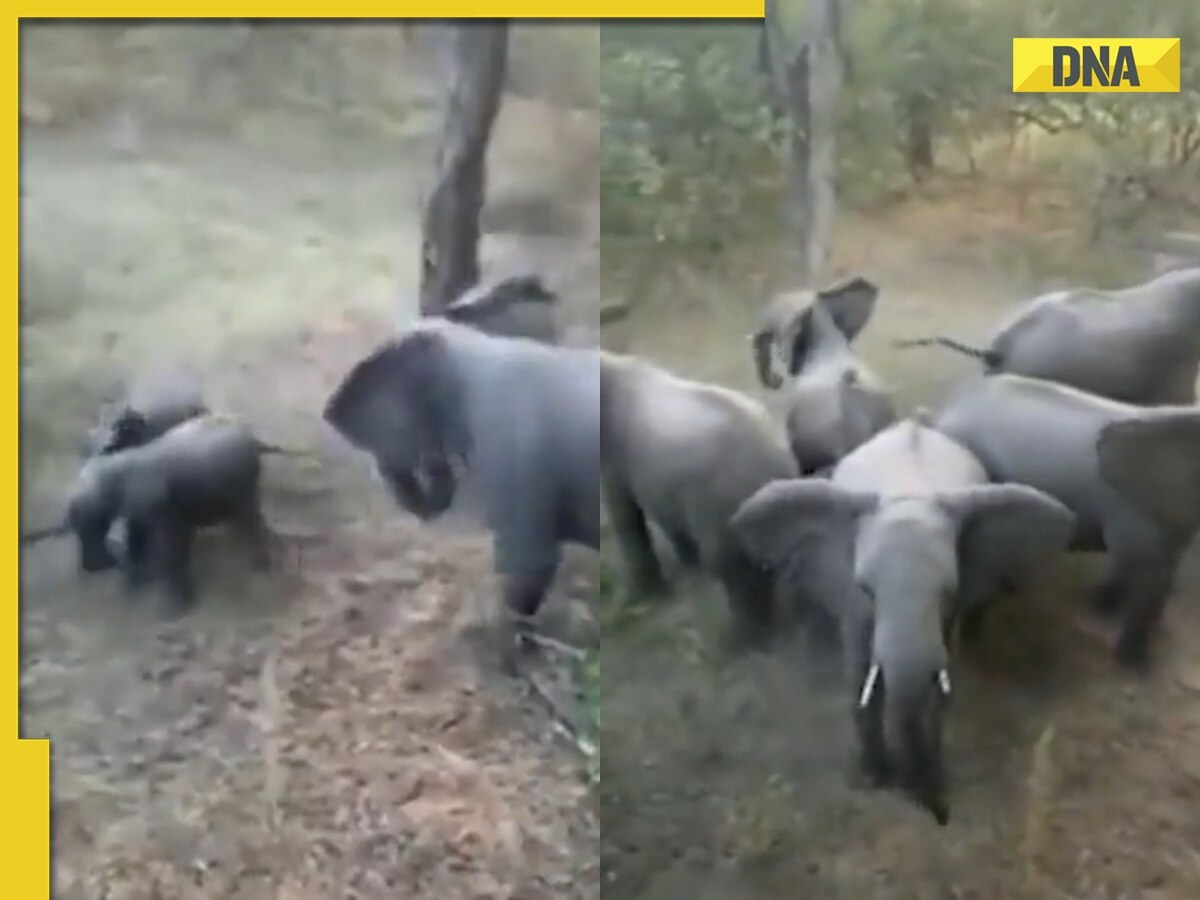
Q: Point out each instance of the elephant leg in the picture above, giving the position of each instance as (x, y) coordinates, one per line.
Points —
(633, 538)
(1149, 589)
(873, 765)
(972, 621)
(137, 553)
(749, 590)
(1109, 596)
(258, 534)
(685, 549)
(522, 597)
(976, 598)
(176, 556)
(1143, 570)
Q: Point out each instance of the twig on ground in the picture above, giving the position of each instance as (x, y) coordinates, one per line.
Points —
(561, 720)
(554, 644)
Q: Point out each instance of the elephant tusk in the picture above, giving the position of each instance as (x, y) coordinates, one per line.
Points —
(868, 686)
(944, 681)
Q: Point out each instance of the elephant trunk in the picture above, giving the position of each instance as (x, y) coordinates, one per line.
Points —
(916, 691)
(763, 342)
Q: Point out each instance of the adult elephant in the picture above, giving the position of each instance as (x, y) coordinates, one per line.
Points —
(1138, 345)
(442, 403)
(684, 455)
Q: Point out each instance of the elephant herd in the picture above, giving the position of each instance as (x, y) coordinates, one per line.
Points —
(1081, 433)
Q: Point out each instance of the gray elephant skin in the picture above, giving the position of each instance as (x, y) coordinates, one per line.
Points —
(906, 536)
(513, 306)
(155, 404)
(442, 404)
(832, 401)
(1131, 475)
(1139, 345)
(202, 472)
(684, 455)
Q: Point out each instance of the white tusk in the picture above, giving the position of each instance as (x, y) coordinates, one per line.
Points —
(944, 681)
(868, 686)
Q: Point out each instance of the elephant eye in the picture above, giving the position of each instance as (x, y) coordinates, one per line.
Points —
(866, 590)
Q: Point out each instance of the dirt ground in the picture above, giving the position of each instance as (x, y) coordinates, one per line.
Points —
(327, 729)
(726, 777)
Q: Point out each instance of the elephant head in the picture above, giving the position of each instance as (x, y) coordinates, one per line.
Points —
(91, 510)
(514, 306)
(402, 404)
(893, 567)
(788, 332)
(1153, 459)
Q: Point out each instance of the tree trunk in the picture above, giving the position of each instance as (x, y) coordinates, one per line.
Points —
(450, 229)
(825, 74)
(918, 139)
(789, 80)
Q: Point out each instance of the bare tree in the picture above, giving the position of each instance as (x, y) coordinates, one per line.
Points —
(825, 74)
(450, 229)
(807, 83)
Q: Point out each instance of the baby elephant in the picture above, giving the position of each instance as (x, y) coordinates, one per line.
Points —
(201, 472)
(833, 401)
(906, 536)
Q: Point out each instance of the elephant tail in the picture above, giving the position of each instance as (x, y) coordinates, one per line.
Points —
(267, 449)
(989, 357)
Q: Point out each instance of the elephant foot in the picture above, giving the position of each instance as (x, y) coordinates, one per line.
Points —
(936, 806)
(514, 642)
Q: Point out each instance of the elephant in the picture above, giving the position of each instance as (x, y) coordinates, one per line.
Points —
(1129, 473)
(514, 306)
(784, 339)
(1138, 345)
(154, 405)
(683, 455)
(440, 405)
(834, 404)
(202, 472)
(905, 539)
(832, 401)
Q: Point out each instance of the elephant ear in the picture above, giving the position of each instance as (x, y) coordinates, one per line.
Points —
(1154, 461)
(835, 315)
(784, 518)
(485, 300)
(1006, 531)
(850, 305)
(404, 384)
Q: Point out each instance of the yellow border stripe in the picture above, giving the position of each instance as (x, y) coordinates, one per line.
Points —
(480, 9)
(25, 764)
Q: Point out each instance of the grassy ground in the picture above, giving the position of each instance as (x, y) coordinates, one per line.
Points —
(726, 776)
(328, 729)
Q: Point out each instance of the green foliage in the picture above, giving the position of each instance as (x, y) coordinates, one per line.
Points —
(692, 153)
(688, 143)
